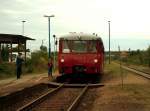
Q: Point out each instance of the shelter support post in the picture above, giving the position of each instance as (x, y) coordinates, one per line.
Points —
(0, 54)
(11, 51)
(18, 46)
(25, 46)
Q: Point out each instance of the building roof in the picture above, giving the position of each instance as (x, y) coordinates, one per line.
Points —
(12, 38)
(80, 36)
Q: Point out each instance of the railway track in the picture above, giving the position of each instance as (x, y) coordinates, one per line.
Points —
(63, 98)
(12, 101)
(59, 99)
(141, 73)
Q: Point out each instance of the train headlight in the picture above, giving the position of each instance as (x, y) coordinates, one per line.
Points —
(62, 60)
(95, 60)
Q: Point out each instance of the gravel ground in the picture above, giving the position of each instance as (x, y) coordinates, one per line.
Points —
(12, 85)
(133, 96)
(59, 101)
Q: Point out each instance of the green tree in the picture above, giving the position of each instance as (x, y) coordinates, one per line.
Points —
(140, 56)
(43, 48)
(5, 53)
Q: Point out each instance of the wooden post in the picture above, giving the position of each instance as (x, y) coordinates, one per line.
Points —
(18, 46)
(121, 70)
(0, 54)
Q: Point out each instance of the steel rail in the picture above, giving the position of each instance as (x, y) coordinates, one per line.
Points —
(139, 70)
(141, 73)
(78, 99)
(38, 100)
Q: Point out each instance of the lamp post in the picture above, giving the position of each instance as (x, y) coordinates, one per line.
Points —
(54, 36)
(49, 33)
(42, 42)
(23, 21)
(23, 26)
(109, 40)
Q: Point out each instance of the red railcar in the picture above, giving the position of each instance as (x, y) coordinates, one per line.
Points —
(80, 53)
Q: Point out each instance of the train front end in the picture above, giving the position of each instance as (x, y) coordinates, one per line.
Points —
(81, 54)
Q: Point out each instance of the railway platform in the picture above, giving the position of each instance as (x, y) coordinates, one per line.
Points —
(11, 85)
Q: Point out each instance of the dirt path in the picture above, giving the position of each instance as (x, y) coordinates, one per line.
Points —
(12, 85)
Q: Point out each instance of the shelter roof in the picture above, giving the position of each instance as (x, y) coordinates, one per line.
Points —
(12, 38)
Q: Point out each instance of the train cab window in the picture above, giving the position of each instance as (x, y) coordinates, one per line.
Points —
(91, 47)
(79, 46)
(65, 47)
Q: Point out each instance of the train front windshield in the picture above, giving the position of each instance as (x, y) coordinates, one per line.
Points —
(79, 46)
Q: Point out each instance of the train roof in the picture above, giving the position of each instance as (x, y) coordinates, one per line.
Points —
(80, 36)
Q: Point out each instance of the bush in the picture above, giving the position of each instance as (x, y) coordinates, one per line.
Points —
(7, 70)
(37, 64)
(29, 66)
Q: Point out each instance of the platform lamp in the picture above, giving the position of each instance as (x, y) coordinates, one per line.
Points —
(25, 42)
(49, 51)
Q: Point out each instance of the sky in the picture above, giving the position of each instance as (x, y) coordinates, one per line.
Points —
(130, 25)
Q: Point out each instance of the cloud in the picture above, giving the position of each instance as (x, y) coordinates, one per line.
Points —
(128, 18)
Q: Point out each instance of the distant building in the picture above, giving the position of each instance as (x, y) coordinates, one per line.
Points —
(14, 56)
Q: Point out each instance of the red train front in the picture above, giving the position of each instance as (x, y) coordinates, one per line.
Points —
(80, 53)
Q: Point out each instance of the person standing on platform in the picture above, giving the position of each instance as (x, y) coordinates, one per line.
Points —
(50, 67)
(19, 61)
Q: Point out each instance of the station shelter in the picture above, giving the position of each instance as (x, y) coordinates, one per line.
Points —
(11, 39)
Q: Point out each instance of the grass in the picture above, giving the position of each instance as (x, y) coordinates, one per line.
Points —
(131, 94)
(114, 71)
(135, 93)
(8, 70)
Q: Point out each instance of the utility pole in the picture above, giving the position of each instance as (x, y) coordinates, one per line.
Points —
(109, 40)
(23, 26)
